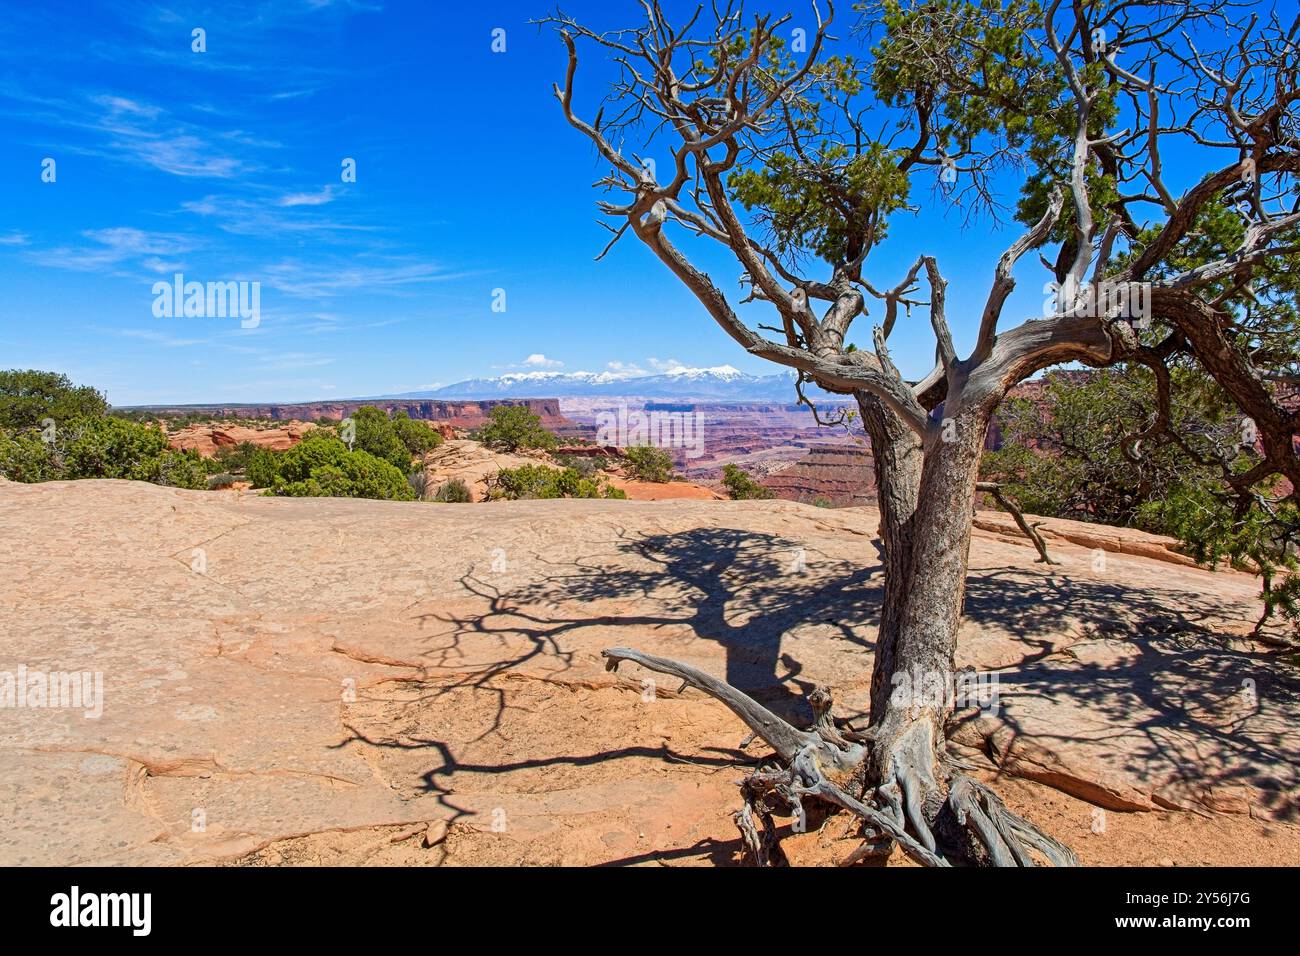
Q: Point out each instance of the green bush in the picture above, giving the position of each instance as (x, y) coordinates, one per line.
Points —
(649, 463)
(585, 465)
(416, 435)
(182, 469)
(539, 481)
(28, 397)
(376, 435)
(454, 491)
(110, 448)
(1214, 530)
(25, 457)
(262, 468)
(99, 447)
(221, 480)
(512, 427)
(235, 458)
(321, 466)
(741, 486)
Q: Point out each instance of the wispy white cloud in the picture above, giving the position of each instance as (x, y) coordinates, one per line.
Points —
(149, 134)
(318, 198)
(109, 249)
(244, 216)
(323, 280)
(157, 338)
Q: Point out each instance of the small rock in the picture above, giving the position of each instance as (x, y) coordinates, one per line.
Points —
(436, 833)
(408, 833)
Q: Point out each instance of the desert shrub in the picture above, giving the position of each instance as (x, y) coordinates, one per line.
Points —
(649, 463)
(377, 436)
(262, 468)
(418, 479)
(222, 479)
(25, 457)
(1072, 453)
(317, 450)
(539, 481)
(100, 447)
(741, 485)
(322, 466)
(454, 491)
(182, 469)
(1069, 452)
(235, 458)
(512, 427)
(110, 448)
(416, 435)
(585, 465)
(821, 501)
(28, 397)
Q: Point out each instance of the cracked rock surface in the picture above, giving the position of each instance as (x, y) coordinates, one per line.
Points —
(340, 681)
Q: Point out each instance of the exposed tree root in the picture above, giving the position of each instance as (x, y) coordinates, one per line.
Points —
(1030, 530)
(935, 816)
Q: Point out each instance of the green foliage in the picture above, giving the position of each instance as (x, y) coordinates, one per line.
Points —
(25, 457)
(585, 465)
(515, 427)
(649, 463)
(453, 491)
(321, 466)
(416, 435)
(377, 435)
(1072, 455)
(262, 467)
(235, 458)
(223, 479)
(741, 485)
(1254, 540)
(539, 481)
(28, 397)
(182, 469)
(107, 447)
(799, 202)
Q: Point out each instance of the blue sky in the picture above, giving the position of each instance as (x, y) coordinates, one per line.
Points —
(225, 165)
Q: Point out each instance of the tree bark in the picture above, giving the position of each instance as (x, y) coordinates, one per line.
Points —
(908, 754)
(897, 459)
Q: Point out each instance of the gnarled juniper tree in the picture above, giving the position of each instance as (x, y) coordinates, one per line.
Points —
(797, 157)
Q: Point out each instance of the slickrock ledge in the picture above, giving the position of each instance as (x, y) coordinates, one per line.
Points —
(314, 680)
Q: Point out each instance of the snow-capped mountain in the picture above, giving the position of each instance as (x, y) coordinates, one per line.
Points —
(721, 383)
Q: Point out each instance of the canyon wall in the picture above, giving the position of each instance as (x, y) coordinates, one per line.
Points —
(461, 414)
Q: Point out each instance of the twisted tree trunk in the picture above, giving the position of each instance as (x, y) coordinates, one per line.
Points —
(896, 458)
(895, 775)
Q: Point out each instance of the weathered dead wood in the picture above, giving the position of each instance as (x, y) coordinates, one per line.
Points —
(1031, 531)
(829, 765)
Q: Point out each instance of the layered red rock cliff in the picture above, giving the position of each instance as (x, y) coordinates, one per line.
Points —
(460, 414)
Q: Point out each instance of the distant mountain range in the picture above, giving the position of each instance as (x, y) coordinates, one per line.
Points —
(719, 384)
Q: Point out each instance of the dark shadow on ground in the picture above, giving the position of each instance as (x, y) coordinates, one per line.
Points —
(745, 591)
